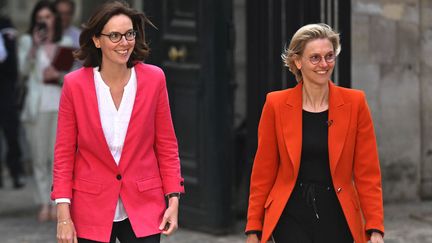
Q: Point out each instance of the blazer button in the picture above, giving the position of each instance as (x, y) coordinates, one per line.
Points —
(339, 189)
(118, 177)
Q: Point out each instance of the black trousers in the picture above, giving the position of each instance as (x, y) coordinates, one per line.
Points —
(123, 231)
(9, 126)
(305, 220)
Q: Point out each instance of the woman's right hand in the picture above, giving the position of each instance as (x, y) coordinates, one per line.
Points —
(65, 228)
(252, 238)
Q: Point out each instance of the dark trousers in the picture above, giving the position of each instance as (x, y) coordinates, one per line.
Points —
(9, 126)
(299, 222)
(123, 231)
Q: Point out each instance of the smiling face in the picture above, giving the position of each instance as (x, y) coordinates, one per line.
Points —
(319, 73)
(115, 53)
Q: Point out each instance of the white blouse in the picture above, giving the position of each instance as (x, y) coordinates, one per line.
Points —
(114, 123)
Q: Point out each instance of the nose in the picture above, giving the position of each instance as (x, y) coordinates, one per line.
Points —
(123, 40)
(323, 62)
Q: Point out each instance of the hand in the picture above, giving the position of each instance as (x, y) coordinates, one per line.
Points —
(376, 238)
(66, 232)
(170, 219)
(50, 73)
(252, 238)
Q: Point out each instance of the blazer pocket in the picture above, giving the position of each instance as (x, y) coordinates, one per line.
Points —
(87, 186)
(268, 202)
(148, 184)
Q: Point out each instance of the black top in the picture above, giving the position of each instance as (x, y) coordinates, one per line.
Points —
(315, 166)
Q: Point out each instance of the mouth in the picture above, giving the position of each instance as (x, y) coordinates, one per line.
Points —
(321, 72)
(122, 52)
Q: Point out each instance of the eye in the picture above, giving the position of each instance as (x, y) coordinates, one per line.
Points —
(114, 35)
(130, 33)
(315, 58)
(330, 57)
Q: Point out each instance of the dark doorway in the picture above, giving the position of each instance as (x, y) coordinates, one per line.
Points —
(193, 44)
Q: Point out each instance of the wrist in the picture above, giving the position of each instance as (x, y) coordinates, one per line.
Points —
(64, 221)
(173, 201)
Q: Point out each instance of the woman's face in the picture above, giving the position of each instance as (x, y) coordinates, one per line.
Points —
(317, 61)
(45, 15)
(115, 53)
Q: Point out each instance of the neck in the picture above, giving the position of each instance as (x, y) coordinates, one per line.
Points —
(115, 75)
(315, 97)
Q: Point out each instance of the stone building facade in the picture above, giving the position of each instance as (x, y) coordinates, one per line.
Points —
(392, 63)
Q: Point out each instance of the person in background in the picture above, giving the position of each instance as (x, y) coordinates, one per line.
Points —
(116, 153)
(66, 10)
(9, 121)
(37, 49)
(316, 175)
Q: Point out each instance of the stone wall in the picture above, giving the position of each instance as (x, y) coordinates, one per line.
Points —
(389, 39)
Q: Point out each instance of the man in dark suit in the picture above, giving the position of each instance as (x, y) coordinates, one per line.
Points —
(8, 101)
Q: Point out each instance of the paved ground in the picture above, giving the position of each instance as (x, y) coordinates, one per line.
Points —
(405, 223)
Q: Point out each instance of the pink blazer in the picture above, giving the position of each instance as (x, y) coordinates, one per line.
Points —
(85, 171)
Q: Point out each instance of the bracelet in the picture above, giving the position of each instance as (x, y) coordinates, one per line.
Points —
(65, 221)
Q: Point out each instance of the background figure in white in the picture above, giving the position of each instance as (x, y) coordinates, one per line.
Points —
(36, 52)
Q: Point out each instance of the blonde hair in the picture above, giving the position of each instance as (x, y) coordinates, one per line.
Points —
(301, 38)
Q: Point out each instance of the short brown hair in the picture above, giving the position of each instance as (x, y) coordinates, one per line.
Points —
(301, 38)
(91, 55)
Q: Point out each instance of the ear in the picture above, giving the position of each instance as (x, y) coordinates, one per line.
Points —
(96, 41)
(297, 62)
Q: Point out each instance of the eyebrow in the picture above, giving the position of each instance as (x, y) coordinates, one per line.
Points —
(316, 53)
(119, 31)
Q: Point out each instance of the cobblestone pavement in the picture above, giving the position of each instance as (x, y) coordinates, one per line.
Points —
(405, 223)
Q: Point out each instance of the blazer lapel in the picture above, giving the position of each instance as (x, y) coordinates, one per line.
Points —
(94, 117)
(291, 116)
(339, 118)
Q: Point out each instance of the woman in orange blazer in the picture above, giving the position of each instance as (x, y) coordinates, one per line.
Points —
(116, 154)
(316, 175)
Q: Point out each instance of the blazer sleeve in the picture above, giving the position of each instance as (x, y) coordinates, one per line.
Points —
(165, 145)
(367, 174)
(265, 167)
(65, 146)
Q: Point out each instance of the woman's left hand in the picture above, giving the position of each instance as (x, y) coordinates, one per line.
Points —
(376, 238)
(170, 219)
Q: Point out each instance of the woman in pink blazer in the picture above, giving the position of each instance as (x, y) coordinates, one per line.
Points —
(116, 155)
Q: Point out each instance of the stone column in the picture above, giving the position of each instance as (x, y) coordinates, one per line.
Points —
(426, 98)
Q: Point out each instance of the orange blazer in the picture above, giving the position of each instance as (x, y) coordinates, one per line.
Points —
(85, 171)
(353, 158)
